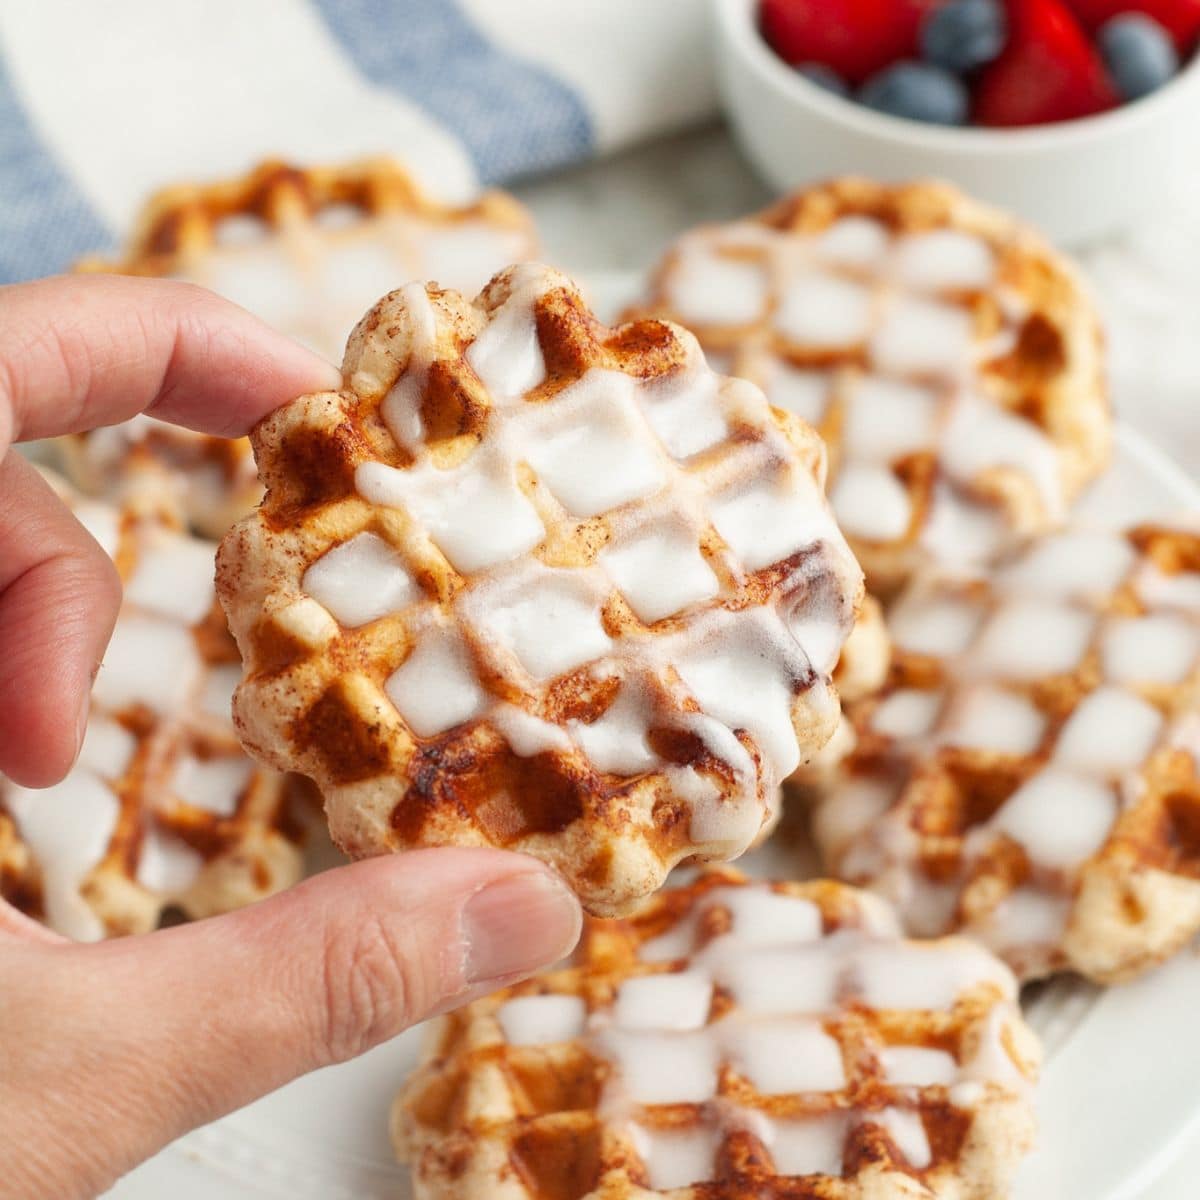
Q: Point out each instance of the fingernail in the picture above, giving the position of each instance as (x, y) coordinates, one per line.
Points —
(81, 724)
(518, 924)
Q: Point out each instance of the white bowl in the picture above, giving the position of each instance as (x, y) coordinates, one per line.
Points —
(1077, 180)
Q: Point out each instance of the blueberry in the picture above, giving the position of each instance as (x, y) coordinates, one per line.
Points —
(1139, 54)
(919, 91)
(964, 34)
(824, 77)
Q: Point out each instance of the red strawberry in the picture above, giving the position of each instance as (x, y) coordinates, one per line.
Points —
(1180, 18)
(854, 37)
(1049, 71)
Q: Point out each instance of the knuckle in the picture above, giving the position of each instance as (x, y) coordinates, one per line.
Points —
(370, 985)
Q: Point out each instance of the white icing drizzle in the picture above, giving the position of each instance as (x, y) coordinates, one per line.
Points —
(1029, 639)
(784, 1057)
(791, 984)
(154, 681)
(1156, 649)
(772, 519)
(980, 437)
(917, 1066)
(213, 785)
(885, 419)
(435, 688)
(996, 641)
(360, 580)
(167, 864)
(135, 669)
(676, 1158)
(1060, 818)
(709, 288)
(854, 242)
(906, 714)
(660, 570)
(922, 337)
(108, 748)
(809, 1146)
(675, 1002)
(507, 355)
(1110, 733)
(907, 300)
(548, 618)
(475, 514)
(617, 741)
(822, 310)
(401, 407)
(1076, 564)
(908, 1135)
(871, 502)
(67, 829)
(803, 392)
(542, 1020)
(608, 444)
(944, 259)
(526, 734)
(174, 579)
(987, 718)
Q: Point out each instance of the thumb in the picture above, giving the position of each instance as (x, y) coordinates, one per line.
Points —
(133, 1042)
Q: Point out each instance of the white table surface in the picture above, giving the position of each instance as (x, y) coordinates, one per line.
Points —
(618, 214)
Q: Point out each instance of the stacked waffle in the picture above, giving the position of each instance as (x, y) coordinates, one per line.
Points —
(948, 357)
(162, 809)
(731, 1040)
(1028, 773)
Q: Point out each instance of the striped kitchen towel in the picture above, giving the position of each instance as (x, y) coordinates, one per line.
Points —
(102, 103)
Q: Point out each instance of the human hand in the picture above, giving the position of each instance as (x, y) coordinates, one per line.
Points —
(109, 1051)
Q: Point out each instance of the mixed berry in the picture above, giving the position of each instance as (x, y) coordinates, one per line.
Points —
(987, 62)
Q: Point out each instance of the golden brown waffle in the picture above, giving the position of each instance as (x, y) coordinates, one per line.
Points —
(863, 666)
(532, 582)
(950, 359)
(163, 809)
(1027, 776)
(308, 250)
(733, 1041)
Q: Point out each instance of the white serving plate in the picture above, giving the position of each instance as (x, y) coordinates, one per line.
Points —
(1117, 1101)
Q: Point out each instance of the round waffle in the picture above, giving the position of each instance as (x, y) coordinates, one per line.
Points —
(950, 359)
(306, 249)
(1028, 774)
(163, 808)
(733, 1040)
(531, 582)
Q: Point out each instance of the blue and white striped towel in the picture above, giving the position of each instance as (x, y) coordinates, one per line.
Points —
(102, 103)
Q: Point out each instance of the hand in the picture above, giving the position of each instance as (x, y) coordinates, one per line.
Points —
(108, 1052)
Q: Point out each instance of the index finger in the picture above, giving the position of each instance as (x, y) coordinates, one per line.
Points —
(77, 352)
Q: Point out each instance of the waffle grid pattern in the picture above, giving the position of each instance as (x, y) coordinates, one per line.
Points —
(733, 1040)
(1028, 776)
(163, 807)
(487, 682)
(950, 360)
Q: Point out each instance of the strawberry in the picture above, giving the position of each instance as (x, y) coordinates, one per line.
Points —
(854, 37)
(1049, 71)
(1180, 18)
